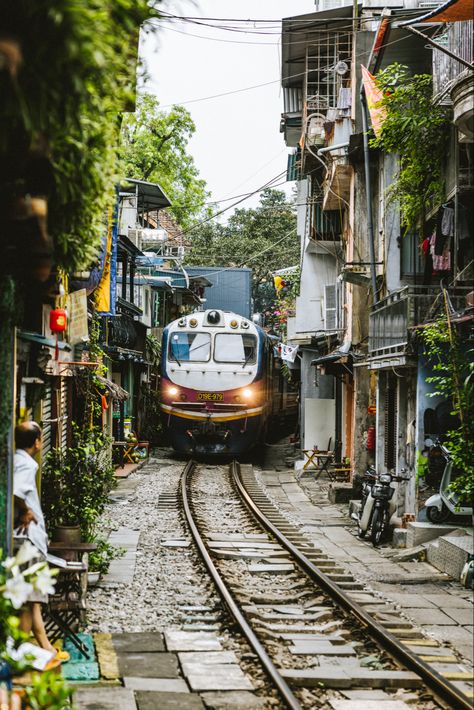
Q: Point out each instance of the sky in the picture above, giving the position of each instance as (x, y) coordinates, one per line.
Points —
(237, 146)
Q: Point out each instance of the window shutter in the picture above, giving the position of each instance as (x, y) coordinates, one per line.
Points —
(46, 416)
(390, 413)
(331, 307)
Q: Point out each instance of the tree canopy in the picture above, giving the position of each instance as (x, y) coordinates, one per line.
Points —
(261, 238)
(154, 147)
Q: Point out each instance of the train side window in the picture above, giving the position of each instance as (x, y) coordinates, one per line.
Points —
(235, 347)
(190, 347)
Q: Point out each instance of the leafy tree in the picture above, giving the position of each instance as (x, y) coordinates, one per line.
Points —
(417, 130)
(262, 239)
(154, 147)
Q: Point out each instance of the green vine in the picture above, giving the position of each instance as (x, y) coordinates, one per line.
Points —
(453, 366)
(417, 130)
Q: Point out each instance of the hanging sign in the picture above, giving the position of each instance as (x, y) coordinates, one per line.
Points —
(288, 353)
(78, 330)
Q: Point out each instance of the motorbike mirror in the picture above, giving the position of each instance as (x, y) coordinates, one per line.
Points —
(429, 442)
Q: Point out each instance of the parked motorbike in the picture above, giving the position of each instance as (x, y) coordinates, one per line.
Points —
(384, 506)
(367, 502)
(445, 503)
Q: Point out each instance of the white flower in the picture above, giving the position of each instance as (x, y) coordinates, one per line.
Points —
(44, 582)
(17, 590)
(26, 553)
(10, 563)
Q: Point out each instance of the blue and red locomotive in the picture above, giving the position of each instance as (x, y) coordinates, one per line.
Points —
(221, 384)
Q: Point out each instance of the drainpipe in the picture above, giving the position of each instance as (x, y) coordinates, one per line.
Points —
(368, 194)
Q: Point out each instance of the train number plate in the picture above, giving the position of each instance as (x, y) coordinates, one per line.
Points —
(210, 396)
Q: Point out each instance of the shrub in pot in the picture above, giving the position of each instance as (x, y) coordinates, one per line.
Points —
(76, 482)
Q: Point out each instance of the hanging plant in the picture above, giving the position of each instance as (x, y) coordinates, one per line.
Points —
(417, 130)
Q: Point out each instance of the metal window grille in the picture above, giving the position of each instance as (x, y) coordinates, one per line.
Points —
(390, 412)
(322, 80)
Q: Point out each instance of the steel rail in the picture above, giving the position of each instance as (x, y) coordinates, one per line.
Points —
(434, 680)
(283, 688)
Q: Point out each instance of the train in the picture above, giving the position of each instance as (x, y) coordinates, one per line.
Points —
(221, 384)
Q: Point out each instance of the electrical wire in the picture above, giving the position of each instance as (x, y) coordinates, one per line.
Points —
(266, 83)
(219, 212)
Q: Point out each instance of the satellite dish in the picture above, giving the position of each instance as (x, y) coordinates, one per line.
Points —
(341, 68)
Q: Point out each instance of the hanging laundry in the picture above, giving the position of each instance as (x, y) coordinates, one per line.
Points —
(441, 262)
(444, 227)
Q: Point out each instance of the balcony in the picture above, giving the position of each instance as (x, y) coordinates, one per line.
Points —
(391, 319)
(452, 82)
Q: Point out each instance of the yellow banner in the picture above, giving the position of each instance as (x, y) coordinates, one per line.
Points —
(102, 292)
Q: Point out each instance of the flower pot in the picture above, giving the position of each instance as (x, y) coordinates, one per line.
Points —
(92, 578)
(69, 534)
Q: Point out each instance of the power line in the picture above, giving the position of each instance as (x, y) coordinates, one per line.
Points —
(267, 83)
(225, 209)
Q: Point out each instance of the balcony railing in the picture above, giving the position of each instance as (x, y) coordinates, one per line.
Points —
(391, 318)
(459, 39)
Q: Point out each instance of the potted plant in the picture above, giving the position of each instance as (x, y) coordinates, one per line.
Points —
(75, 485)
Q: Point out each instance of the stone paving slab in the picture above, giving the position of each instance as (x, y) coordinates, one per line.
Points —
(430, 616)
(366, 695)
(223, 677)
(233, 700)
(143, 642)
(368, 704)
(454, 634)
(152, 700)
(412, 600)
(148, 665)
(449, 600)
(175, 543)
(309, 647)
(104, 699)
(209, 658)
(465, 617)
(192, 641)
(163, 685)
(271, 569)
(338, 678)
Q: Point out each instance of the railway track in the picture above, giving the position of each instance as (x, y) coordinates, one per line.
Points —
(304, 604)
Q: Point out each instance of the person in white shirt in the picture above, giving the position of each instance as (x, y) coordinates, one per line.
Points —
(29, 519)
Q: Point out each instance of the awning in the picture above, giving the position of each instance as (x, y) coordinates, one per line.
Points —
(42, 340)
(342, 362)
(150, 195)
(451, 11)
(115, 390)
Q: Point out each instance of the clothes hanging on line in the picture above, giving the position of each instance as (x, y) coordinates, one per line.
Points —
(441, 262)
(444, 228)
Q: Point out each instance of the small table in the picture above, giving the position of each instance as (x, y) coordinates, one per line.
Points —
(67, 604)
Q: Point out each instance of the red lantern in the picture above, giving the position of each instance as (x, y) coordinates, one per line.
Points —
(371, 438)
(57, 324)
(58, 320)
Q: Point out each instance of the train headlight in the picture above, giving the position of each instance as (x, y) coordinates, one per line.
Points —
(182, 322)
(233, 324)
(193, 322)
(247, 393)
(237, 398)
(173, 391)
(245, 324)
(183, 397)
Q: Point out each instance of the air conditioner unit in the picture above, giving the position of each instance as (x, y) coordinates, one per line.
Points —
(141, 235)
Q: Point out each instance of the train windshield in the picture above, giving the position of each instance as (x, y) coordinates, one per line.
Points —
(234, 347)
(190, 347)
